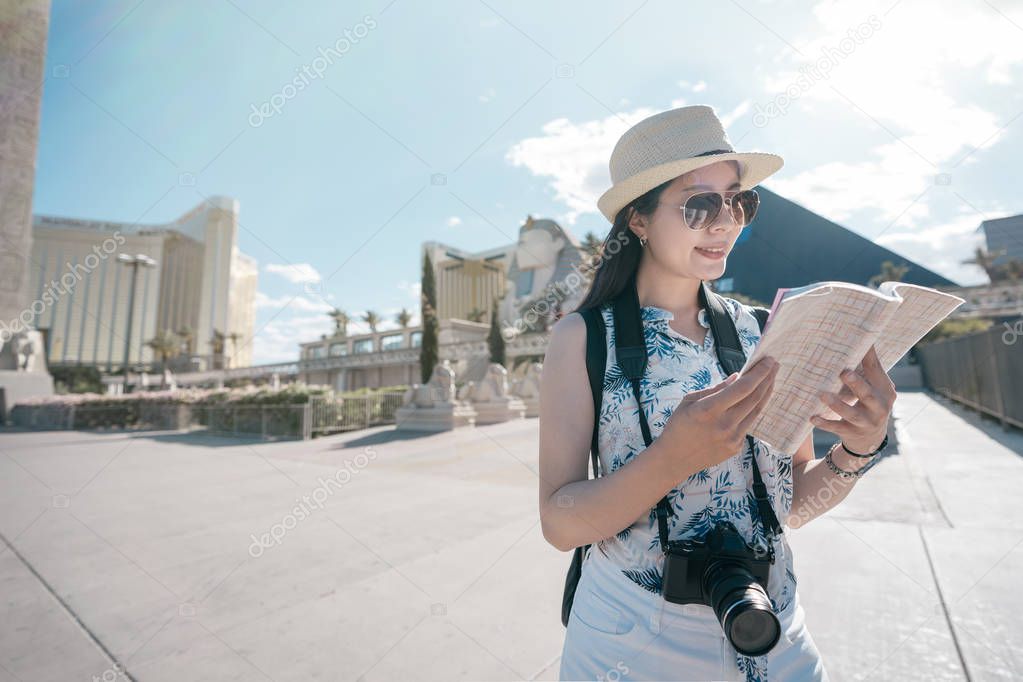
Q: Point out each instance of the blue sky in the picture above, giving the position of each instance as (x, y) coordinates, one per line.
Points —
(149, 106)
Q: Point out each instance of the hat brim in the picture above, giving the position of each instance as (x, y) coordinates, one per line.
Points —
(758, 166)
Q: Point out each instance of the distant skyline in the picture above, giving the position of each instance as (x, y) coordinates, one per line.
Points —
(351, 134)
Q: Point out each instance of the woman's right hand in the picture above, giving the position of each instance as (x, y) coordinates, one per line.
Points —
(710, 425)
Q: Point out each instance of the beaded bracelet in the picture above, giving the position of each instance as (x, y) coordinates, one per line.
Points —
(843, 473)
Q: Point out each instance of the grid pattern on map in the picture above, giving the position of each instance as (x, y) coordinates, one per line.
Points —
(915, 317)
(832, 329)
(815, 336)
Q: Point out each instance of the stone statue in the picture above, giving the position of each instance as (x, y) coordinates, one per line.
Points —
(28, 350)
(494, 386)
(528, 388)
(491, 399)
(440, 388)
(432, 406)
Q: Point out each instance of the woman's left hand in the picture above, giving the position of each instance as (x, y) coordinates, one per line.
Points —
(864, 423)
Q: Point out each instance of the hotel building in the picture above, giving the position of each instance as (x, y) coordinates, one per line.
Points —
(201, 283)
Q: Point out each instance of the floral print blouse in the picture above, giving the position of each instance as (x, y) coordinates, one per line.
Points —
(676, 366)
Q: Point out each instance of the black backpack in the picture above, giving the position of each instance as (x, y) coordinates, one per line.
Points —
(730, 354)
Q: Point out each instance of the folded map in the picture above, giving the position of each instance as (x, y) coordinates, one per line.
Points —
(816, 331)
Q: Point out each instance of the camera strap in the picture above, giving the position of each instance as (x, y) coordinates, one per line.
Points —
(630, 350)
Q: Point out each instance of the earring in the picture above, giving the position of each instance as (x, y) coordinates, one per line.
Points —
(643, 240)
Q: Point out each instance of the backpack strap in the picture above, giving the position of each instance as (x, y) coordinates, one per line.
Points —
(761, 315)
(630, 352)
(732, 358)
(596, 364)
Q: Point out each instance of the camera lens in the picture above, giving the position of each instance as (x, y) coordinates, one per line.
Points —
(742, 607)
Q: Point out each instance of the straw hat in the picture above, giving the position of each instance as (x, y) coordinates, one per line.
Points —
(663, 146)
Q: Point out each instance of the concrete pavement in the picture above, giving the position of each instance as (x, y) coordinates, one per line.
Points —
(380, 557)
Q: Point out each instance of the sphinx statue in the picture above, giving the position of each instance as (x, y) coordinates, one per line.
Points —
(491, 398)
(440, 389)
(23, 372)
(25, 350)
(433, 406)
(528, 388)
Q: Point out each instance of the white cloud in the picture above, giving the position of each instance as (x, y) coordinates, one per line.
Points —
(574, 156)
(296, 273)
(699, 86)
(941, 248)
(454, 221)
(904, 83)
(901, 80)
(730, 117)
(294, 303)
(412, 289)
(488, 95)
(278, 340)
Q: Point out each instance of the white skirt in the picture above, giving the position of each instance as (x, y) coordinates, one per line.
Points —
(619, 631)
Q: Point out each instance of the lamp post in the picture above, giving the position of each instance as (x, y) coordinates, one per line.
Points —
(133, 262)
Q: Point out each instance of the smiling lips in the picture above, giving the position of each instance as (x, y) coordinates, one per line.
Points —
(711, 253)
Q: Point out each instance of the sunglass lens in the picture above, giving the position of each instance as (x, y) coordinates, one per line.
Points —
(702, 209)
(744, 206)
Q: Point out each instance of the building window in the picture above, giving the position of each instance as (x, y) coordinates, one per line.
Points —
(363, 346)
(415, 339)
(391, 342)
(337, 349)
(318, 352)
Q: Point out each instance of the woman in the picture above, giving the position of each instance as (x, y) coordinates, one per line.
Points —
(678, 203)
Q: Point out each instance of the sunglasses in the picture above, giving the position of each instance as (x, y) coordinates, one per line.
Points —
(701, 209)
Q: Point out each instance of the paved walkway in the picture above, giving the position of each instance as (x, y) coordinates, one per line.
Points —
(379, 557)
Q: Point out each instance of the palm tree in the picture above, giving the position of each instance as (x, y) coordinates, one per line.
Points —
(372, 319)
(341, 321)
(187, 336)
(217, 348)
(986, 261)
(592, 244)
(1013, 269)
(889, 272)
(164, 346)
(234, 336)
(404, 318)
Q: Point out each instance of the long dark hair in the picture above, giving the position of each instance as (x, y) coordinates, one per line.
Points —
(620, 253)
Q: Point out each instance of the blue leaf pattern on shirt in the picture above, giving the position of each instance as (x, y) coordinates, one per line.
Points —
(677, 366)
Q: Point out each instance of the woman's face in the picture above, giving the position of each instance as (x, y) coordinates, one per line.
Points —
(671, 243)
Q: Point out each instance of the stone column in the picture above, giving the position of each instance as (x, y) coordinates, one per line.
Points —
(23, 27)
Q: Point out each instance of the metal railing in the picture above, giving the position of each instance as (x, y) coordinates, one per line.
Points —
(333, 415)
(262, 421)
(983, 371)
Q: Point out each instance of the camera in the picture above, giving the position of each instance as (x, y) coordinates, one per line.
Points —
(724, 572)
